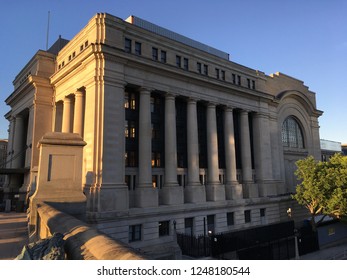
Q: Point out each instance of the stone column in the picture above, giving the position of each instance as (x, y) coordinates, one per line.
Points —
(18, 146)
(214, 190)
(172, 192)
(233, 190)
(67, 115)
(145, 194)
(110, 197)
(9, 156)
(194, 191)
(78, 113)
(249, 189)
(262, 156)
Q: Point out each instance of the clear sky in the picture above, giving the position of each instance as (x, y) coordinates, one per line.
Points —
(305, 39)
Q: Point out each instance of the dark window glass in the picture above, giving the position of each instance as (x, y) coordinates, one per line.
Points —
(127, 45)
(154, 53)
(135, 233)
(163, 56)
(186, 64)
(137, 48)
(230, 218)
(164, 228)
(178, 61)
(247, 216)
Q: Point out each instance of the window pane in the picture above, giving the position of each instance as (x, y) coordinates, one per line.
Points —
(292, 134)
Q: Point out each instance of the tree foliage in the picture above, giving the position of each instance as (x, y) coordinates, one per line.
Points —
(323, 186)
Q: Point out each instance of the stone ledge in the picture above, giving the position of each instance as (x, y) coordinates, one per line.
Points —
(82, 241)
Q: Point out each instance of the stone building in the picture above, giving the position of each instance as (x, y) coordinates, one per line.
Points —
(3, 159)
(177, 134)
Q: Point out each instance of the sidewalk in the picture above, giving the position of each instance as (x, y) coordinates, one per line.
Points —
(337, 251)
(13, 234)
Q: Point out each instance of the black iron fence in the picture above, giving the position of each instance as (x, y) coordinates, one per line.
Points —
(194, 246)
(275, 241)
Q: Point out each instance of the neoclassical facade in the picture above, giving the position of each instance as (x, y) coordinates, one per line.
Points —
(178, 135)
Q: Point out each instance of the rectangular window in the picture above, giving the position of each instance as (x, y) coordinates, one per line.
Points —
(126, 100)
(262, 212)
(239, 80)
(217, 73)
(130, 159)
(154, 53)
(163, 56)
(164, 228)
(205, 69)
(154, 181)
(188, 226)
(210, 224)
(247, 216)
(126, 129)
(248, 83)
(178, 61)
(234, 78)
(198, 67)
(156, 159)
(223, 75)
(135, 233)
(230, 219)
(137, 48)
(132, 101)
(253, 84)
(127, 181)
(185, 64)
(127, 45)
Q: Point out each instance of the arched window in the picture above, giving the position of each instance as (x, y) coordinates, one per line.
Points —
(292, 134)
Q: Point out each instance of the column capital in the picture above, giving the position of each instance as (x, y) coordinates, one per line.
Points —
(146, 90)
(18, 116)
(79, 93)
(192, 100)
(67, 99)
(170, 95)
(211, 105)
(244, 111)
(228, 108)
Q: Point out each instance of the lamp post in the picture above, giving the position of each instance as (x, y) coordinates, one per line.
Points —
(296, 234)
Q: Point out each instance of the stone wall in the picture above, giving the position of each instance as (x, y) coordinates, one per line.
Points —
(82, 242)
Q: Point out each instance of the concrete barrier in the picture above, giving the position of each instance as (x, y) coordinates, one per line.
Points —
(82, 241)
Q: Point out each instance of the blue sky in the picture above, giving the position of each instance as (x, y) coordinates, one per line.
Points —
(305, 39)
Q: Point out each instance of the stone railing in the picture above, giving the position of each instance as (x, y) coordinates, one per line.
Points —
(82, 242)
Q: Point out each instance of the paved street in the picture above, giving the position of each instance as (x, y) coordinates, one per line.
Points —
(13, 234)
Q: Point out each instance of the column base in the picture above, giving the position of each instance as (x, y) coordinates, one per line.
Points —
(112, 198)
(146, 197)
(267, 188)
(194, 194)
(215, 192)
(233, 191)
(250, 190)
(171, 195)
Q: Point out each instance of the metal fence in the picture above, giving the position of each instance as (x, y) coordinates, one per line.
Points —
(275, 241)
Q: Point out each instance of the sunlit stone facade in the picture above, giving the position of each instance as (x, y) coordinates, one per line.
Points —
(176, 133)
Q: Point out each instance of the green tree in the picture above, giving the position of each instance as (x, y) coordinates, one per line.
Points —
(323, 187)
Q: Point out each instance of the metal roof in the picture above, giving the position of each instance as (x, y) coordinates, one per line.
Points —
(175, 36)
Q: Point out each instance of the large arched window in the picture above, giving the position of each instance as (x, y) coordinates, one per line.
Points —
(292, 134)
